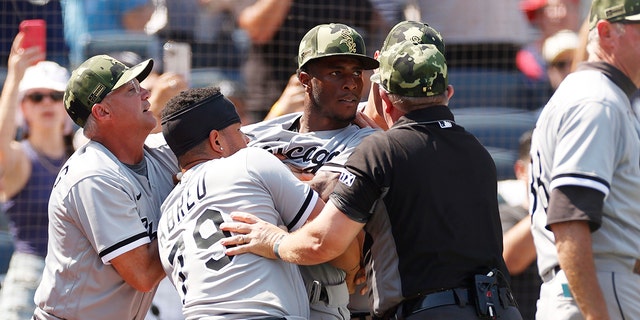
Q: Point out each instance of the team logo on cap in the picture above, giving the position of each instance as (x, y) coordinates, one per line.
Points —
(347, 39)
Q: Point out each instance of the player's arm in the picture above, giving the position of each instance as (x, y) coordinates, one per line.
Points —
(570, 218)
(140, 267)
(519, 250)
(263, 19)
(319, 241)
(349, 261)
(323, 183)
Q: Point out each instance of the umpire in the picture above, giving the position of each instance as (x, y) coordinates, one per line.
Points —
(425, 193)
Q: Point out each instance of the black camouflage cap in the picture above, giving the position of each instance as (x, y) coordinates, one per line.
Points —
(94, 79)
(614, 11)
(412, 70)
(414, 32)
(334, 39)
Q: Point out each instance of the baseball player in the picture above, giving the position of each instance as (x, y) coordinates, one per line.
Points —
(102, 260)
(585, 155)
(321, 138)
(219, 176)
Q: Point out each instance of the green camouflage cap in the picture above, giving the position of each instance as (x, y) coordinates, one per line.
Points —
(334, 39)
(614, 11)
(94, 79)
(416, 33)
(412, 70)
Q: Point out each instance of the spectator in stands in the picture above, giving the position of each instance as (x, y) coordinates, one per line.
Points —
(28, 167)
(478, 33)
(275, 28)
(12, 12)
(558, 52)
(547, 17)
(519, 252)
(85, 17)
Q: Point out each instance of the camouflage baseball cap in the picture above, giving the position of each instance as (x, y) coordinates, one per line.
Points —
(614, 11)
(334, 39)
(412, 70)
(94, 79)
(415, 32)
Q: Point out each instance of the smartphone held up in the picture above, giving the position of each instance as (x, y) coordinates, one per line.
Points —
(177, 59)
(35, 34)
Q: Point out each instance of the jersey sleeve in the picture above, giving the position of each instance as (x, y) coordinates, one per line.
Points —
(107, 216)
(584, 147)
(363, 182)
(292, 198)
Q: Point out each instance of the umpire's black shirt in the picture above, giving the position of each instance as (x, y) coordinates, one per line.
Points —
(427, 190)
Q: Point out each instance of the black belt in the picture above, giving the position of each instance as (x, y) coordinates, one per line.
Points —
(461, 296)
(458, 296)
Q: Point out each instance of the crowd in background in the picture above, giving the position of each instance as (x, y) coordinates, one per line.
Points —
(504, 56)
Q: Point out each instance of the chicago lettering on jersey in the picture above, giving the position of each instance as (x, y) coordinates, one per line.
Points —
(309, 159)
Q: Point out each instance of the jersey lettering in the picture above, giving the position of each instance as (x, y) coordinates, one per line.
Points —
(188, 200)
(310, 159)
(539, 194)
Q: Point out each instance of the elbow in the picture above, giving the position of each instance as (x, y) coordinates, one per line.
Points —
(145, 284)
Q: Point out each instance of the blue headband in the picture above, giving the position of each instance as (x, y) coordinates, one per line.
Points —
(190, 126)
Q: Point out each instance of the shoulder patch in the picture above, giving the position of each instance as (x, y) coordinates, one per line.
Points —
(347, 178)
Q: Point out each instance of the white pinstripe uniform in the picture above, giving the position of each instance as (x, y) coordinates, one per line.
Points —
(588, 136)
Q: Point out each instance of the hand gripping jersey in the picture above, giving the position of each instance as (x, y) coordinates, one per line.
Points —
(99, 209)
(246, 286)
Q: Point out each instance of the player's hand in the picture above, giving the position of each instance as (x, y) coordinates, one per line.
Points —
(253, 235)
(364, 121)
(20, 58)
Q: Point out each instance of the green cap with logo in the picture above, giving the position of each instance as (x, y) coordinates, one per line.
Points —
(414, 32)
(94, 79)
(614, 11)
(412, 70)
(334, 39)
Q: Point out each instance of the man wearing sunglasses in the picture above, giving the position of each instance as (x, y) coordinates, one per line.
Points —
(32, 152)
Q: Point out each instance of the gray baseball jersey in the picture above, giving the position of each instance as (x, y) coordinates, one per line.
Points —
(588, 136)
(99, 209)
(211, 284)
(312, 152)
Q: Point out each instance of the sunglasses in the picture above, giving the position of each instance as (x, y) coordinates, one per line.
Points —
(37, 97)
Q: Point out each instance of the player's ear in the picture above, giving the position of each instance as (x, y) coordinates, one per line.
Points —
(304, 78)
(214, 143)
(100, 111)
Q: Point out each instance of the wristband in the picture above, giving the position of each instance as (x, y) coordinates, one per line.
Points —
(276, 246)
